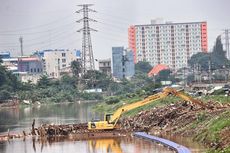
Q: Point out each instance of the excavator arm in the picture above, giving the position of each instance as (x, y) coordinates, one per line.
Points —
(117, 114)
(110, 120)
(184, 96)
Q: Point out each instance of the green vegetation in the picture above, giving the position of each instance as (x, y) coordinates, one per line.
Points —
(63, 90)
(211, 133)
(71, 88)
(217, 58)
(130, 98)
(9, 84)
(143, 67)
(217, 98)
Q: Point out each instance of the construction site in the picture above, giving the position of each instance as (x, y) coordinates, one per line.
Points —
(187, 117)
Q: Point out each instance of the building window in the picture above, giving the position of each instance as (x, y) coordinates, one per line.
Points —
(63, 60)
(63, 65)
(31, 70)
(63, 54)
(35, 70)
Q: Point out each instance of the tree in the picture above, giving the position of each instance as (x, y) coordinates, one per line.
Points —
(218, 48)
(43, 82)
(164, 75)
(96, 79)
(200, 59)
(217, 58)
(143, 67)
(76, 68)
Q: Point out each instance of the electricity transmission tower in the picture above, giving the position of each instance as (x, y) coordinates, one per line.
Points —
(87, 51)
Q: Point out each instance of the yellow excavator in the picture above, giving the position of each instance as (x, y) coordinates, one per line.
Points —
(110, 120)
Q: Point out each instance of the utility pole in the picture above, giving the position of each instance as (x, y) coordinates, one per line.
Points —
(210, 69)
(226, 37)
(87, 51)
(184, 68)
(21, 45)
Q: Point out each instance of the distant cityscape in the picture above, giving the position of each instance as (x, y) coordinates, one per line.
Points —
(165, 45)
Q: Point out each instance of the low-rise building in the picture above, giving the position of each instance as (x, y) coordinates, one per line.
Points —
(105, 66)
(11, 64)
(31, 65)
(57, 60)
(5, 55)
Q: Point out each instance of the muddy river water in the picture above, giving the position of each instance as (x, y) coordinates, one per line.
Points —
(19, 119)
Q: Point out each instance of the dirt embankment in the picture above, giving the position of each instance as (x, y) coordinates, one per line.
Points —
(181, 118)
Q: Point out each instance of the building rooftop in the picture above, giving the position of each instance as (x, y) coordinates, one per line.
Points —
(169, 23)
(104, 60)
(25, 59)
(9, 59)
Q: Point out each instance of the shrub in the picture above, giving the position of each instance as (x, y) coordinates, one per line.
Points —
(112, 100)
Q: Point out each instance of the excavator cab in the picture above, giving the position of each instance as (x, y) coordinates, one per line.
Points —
(101, 125)
(107, 117)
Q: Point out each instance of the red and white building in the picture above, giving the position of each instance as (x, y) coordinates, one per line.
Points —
(171, 44)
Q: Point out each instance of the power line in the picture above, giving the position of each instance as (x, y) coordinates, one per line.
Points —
(35, 27)
(87, 51)
(36, 32)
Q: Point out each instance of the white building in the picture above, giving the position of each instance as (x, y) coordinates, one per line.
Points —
(171, 44)
(56, 60)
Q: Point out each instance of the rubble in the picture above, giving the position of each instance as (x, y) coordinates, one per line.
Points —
(60, 130)
(170, 117)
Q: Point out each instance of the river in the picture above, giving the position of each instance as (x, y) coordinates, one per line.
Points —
(19, 119)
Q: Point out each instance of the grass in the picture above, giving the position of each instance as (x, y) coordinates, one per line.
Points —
(213, 128)
(226, 150)
(217, 98)
(157, 103)
(103, 107)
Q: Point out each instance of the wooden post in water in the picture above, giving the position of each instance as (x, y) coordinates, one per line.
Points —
(33, 130)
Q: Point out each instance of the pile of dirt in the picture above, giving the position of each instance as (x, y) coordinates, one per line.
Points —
(174, 118)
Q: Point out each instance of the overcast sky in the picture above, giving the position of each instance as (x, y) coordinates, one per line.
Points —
(50, 24)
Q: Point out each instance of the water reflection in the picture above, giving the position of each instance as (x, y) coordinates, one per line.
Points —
(105, 145)
(187, 142)
(60, 145)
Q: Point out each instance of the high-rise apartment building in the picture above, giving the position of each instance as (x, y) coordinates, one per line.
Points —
(172, 44)
(123, 62)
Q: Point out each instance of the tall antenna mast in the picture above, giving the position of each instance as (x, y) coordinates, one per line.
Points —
(87, 51)
(21, 45)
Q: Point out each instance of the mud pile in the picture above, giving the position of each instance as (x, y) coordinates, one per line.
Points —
(171, 118)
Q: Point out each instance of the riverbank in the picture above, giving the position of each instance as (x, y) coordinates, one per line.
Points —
(210, 127)
(9, 104)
